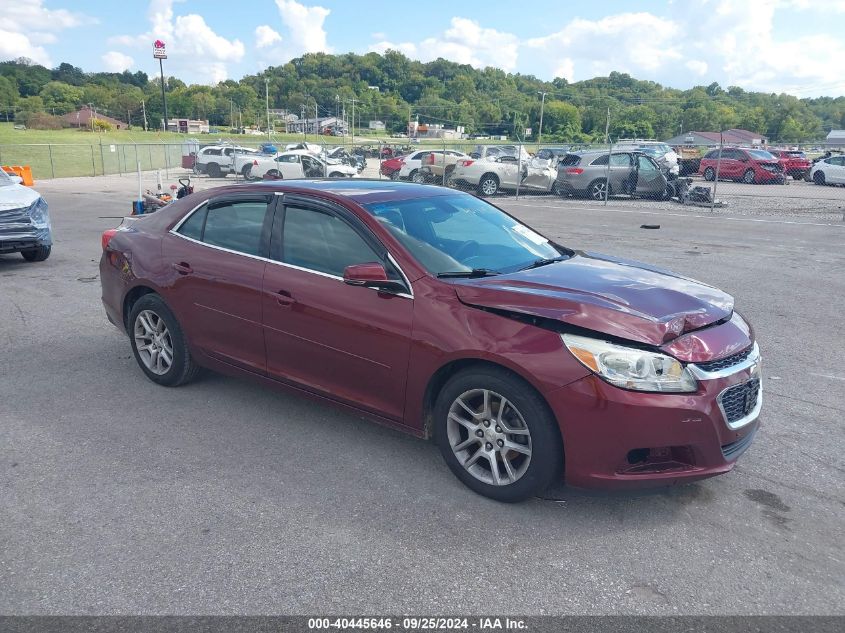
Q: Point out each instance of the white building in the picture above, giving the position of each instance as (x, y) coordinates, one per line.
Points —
(836, 139)
(376, 125)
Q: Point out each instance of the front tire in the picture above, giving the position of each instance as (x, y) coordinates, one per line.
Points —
(497, 434)
(158, 343)
(213, 170)
(709, 174)
(38, 254)
(748, 177)
(418, 177)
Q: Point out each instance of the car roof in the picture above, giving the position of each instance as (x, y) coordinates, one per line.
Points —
(360, 190)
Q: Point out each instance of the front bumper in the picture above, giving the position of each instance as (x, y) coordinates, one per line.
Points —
(619, 439)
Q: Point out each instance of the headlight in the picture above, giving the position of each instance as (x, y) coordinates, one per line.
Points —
(630, 368)
(39, 215)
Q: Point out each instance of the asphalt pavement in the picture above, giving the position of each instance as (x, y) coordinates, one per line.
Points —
(223, 497)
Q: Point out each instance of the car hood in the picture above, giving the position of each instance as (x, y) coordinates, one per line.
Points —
(16, 196)
(621, 298)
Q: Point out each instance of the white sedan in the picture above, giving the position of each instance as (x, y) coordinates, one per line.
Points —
(829, 171)
(295, 164)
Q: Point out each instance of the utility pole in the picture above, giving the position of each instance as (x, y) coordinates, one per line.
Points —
(542, 104)
(304, 122)
(316, 118)
(267, 104)
(409, 121)
(144, 108)
(353, 119)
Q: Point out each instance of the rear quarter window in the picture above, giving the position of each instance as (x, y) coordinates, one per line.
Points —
(570, 160)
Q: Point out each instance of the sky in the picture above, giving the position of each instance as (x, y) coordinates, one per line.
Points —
(793, 46)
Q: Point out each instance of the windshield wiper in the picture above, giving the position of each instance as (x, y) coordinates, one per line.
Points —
(475, 272)
(544, 262)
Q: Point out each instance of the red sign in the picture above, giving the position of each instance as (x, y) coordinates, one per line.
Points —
(159, 51)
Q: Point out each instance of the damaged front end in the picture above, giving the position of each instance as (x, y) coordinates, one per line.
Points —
(25, 228)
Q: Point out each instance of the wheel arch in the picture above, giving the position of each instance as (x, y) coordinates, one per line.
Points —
(131, 298)
(442, 375)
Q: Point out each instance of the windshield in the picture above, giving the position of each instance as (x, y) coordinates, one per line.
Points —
(459, 233)
(760, 154)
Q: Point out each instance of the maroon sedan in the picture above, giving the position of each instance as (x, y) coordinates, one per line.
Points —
(437, 313)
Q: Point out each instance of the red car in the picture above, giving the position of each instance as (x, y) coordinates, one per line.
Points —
(743, 165)
(434, 312)
(794, 162)
(391, 166)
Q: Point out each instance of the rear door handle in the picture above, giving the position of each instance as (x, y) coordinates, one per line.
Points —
(183, 268)
(284, 298)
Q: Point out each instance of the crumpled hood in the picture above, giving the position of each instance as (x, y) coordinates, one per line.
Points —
(621, 298)
(16, 196)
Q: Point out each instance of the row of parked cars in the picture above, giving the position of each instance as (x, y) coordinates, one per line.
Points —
(492, 168)
(298, 160)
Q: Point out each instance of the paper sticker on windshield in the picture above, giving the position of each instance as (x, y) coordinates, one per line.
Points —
(527, 233)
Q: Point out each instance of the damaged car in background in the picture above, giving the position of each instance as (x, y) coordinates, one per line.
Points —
(494, 168)
(24, 220)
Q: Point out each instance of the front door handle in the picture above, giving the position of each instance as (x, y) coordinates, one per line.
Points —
(183, 268)
(284, 298)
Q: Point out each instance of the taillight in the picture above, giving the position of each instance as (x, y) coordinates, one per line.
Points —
(106, 238)
(575, 171)
(431, 159)
(466, 163)
(255, 161)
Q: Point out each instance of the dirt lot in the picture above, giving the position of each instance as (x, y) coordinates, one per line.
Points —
(222, 497)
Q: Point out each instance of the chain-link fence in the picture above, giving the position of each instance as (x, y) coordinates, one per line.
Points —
(798, 178)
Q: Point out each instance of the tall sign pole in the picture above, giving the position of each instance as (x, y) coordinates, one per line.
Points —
(160, 53)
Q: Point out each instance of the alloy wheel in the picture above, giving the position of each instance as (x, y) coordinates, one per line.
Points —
(153, 342)
(489, 186)
(489, 437)
(599, 190)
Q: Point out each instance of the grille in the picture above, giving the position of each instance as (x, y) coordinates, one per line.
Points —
(727, 361)
(16, 224)
(740, 400)
(735, 449)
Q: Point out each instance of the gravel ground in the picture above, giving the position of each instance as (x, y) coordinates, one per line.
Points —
(122, 497)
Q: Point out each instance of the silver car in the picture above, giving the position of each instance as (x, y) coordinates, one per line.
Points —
(634, 173)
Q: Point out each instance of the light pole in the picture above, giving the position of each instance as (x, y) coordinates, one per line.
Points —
(542, 105)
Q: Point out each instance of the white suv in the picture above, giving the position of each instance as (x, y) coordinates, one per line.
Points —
(219, 160)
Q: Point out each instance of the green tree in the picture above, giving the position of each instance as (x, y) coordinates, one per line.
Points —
(61, 98)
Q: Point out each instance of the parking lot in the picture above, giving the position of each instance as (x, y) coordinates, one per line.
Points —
(120, 496)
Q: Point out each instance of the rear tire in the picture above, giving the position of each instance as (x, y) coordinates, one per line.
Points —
(168, 338)
(213, 170)
(504, 406)
(598, 189)
(709, 174)
(819, 178)
(488, 185)
(38, 254)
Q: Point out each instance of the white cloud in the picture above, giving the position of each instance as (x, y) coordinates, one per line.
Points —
(266, 36)
(697, 66)
(306, 30)
(194, 50)
(409, 49)
(26, 26)
(467, 42)
(116, 62)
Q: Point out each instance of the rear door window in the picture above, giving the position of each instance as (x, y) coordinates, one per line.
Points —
(236, 225)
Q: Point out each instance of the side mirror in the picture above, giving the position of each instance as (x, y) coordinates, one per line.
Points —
(371, 275)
